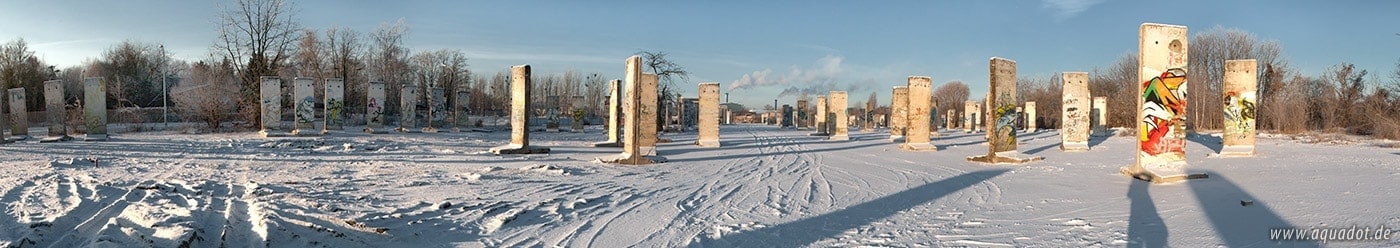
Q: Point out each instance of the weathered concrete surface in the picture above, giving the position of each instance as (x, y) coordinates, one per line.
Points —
(1240, 89)
(709, 115)
(304, 107)
(899, 105)
(95, 108)
(18, 113)
(271, 91)
(519, 115)
(822, 118)
(1099, 117)
(1001, 118)
(841, 126)
(1030, 116)
(614, 115)
(334, 106)
(56, 110)
(461, 111)
(1161, 109)
(920, 91)
(374, 108)
(636, 113)
(408, 109)
(1074, 112)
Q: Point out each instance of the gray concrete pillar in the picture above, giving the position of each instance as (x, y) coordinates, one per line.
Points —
(271, 92)
(841, 124)
(334, 107)
(1240, 84)
(1161, 112)
(304, 106)
(920, 91)
(709, 115)
(374, 108)
(1074, 112)
(95, 108)
(519, 115)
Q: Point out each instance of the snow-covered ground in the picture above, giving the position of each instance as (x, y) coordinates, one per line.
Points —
(765, 187)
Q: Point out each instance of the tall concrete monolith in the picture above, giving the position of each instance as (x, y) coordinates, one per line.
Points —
(820, 118)
(19, 114)
(374, 108)
(95, 108)
(934, 119)
(916, 138)
(333, 109)
(519, 115)
(636, 112)
(271, 109)
(801, 118)
(4, 120)
(461, 120)
(899, 108)
(408, 109)
(436, 119)
(786, 113)
(1099, 117)
(614, 115)
(840, 127)
(304, 106)
(1239, 89)
(969, 116)
(1030, 116)
(1161, 107)
(868, 116)
(951, 117)
(709, 115)
(1001, 118)
(1074, 112)
(56, 110)
(647, 108)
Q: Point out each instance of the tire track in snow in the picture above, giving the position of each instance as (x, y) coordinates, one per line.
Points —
(79, 234)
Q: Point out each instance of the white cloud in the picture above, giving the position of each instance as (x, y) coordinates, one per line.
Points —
(1065, 9)
(823, 72)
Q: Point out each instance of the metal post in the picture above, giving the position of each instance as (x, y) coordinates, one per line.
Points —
(164, 91)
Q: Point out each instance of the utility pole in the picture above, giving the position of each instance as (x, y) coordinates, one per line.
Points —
(164, 90)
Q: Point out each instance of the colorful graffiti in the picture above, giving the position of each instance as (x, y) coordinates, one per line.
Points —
(334, 107)
(1239, 113)
(1005, 129)
(376, 112)
(1164, 102)
(306, 112)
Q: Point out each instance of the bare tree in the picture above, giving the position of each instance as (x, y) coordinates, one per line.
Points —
(134, 73)
(1208, 51)
(308, 60)
(388, 60)
(1117, 84)
(343, 50)
(257, 37)
(667, 72)
(210, 94)
(950, 96)
(20, 68)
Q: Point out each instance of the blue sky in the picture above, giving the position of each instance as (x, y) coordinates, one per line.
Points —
(755, 49)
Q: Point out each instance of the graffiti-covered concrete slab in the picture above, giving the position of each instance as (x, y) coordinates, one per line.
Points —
(271, 91)
(1074, 112)
(1001, 118)
(374, 108)
(1161, 107)
(1239, 87)
(334, 107)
